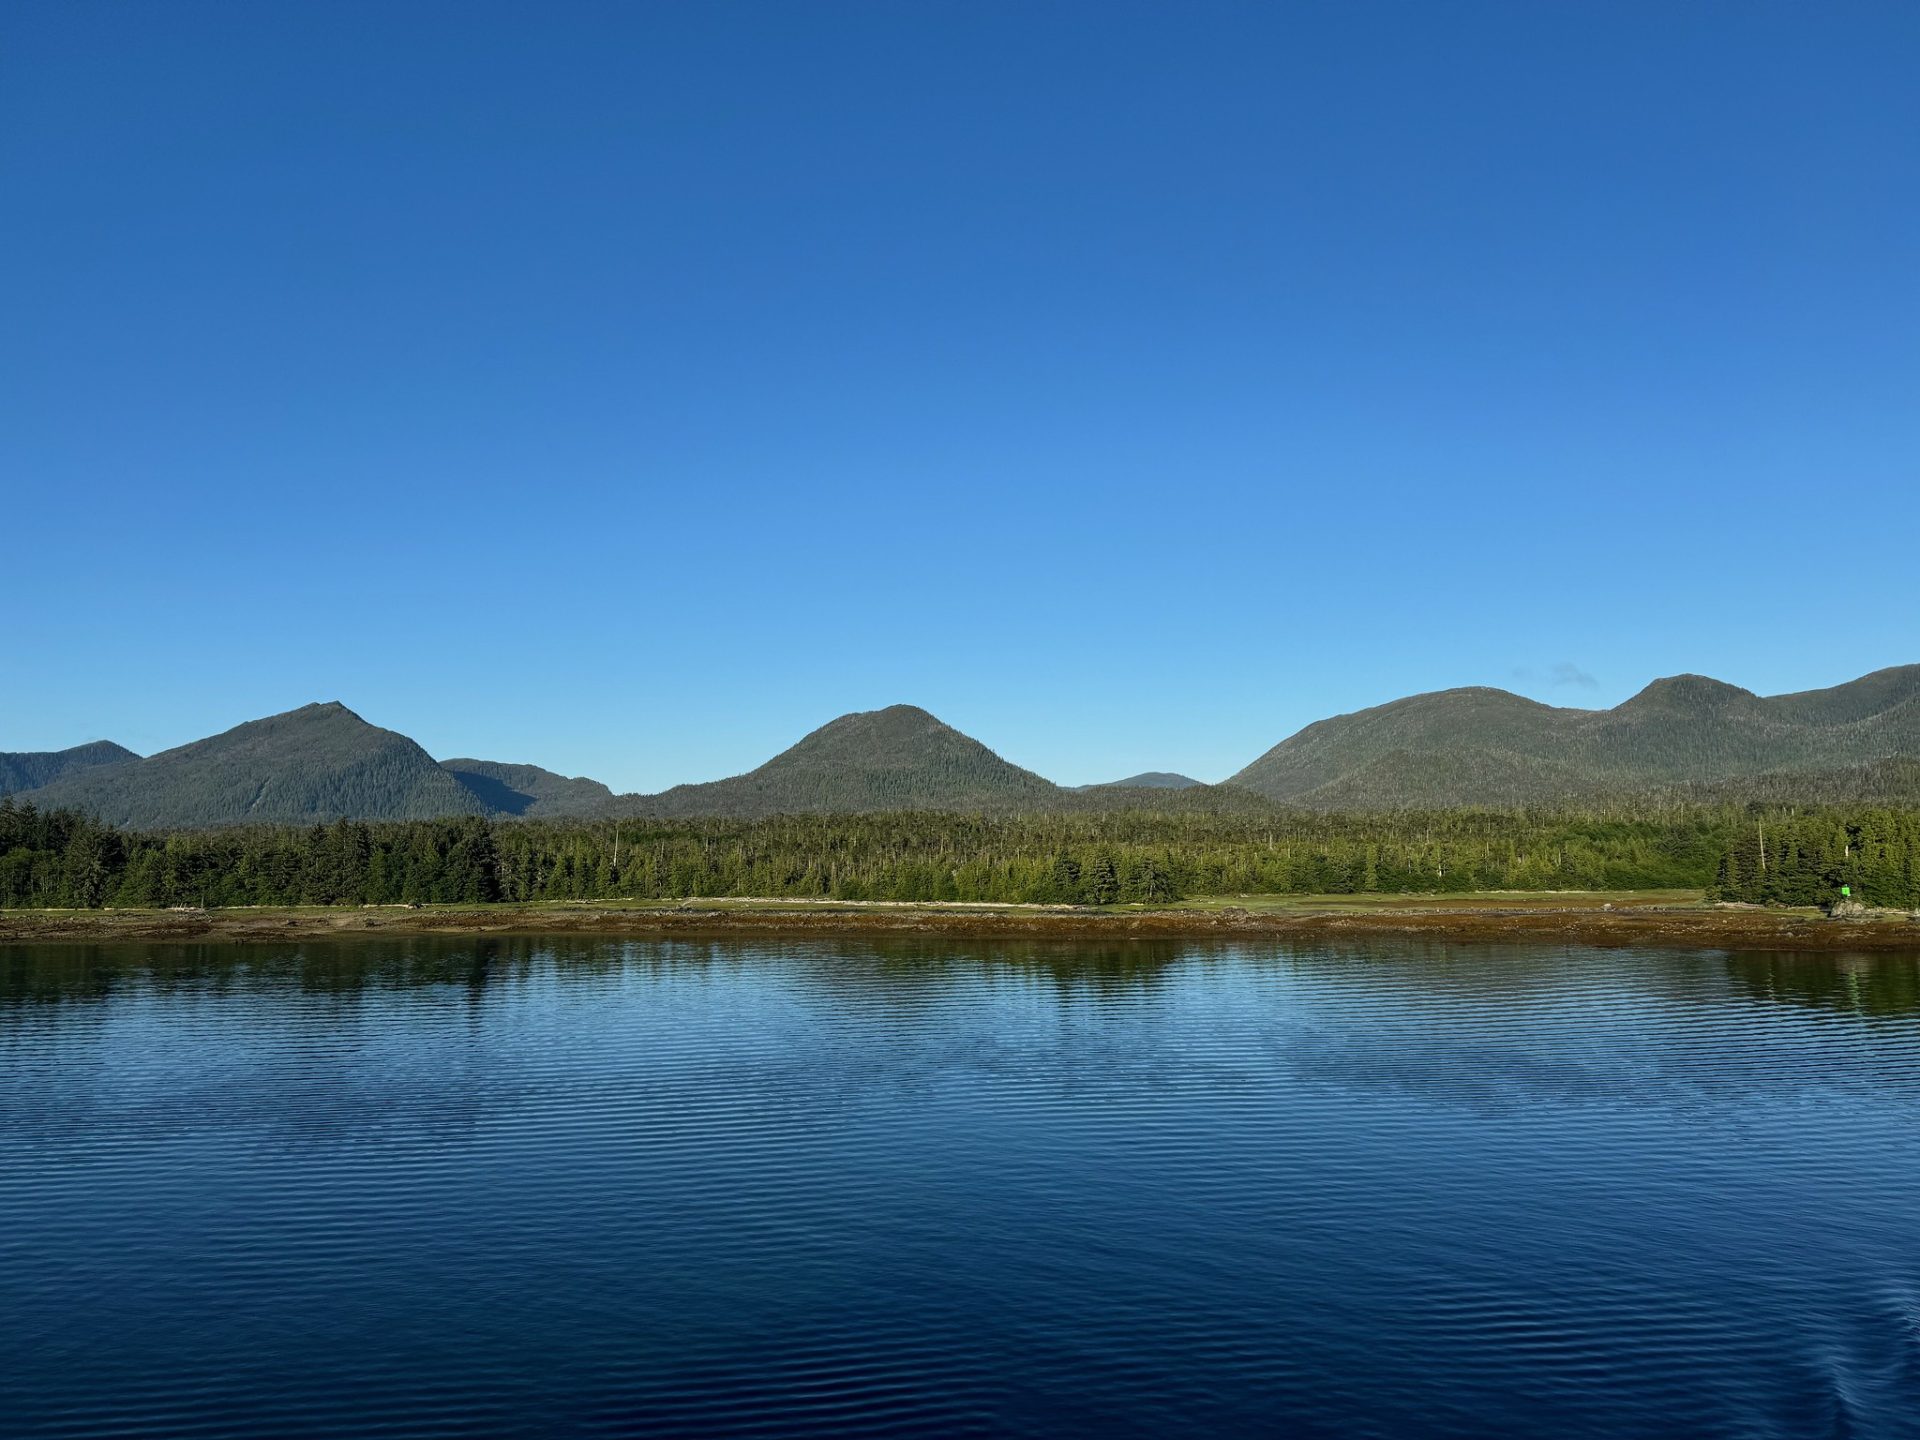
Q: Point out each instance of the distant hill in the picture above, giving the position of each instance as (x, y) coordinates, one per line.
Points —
(1488, 747)
(320, 762)
(323, 762)
(528, 790)
(29, 769)
(1682, 739)
(900, 758)
(1148, 780)
(1195, 799)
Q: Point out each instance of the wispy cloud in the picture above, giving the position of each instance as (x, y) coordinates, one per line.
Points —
(1558, 676)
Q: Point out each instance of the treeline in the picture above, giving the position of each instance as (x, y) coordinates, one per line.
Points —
(1804, 858)
(63, 859)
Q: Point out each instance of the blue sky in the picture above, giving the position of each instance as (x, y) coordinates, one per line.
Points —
(630, 389)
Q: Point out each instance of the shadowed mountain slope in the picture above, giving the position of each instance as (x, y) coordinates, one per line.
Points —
(1488, 747)
(320, 762)
(900, 758)
(29, 769)
(505, 789)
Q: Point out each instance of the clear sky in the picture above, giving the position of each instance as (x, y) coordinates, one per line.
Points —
(630, 389)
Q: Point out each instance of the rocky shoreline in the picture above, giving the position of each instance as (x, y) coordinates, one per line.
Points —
(1720, 928)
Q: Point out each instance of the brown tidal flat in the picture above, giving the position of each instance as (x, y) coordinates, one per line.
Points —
(1586, 919)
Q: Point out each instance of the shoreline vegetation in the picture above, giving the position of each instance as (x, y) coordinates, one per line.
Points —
(1780, 856)
(1585, 918)
(1726, 877)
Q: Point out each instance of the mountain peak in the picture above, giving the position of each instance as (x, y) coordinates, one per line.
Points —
(898, 734)
(30, 769)
(320, 709)
(898, 758)
(1486, 747)
(1688, 692)
(887, 718)
(319, 762)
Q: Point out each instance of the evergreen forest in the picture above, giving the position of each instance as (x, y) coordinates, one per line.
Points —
(60, 858)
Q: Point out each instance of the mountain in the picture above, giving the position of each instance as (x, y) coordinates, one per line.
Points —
(29, 769)
(900, 758)
(1683, 738)
(1893, 781)
(1193, 799)
(1488, 747)
(528, 790)
(1148, 780)
(320, 762)
(323, 762)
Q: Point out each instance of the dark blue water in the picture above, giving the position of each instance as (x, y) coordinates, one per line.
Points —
(597, 1188)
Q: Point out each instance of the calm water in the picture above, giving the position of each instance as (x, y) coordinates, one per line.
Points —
(586, 1188)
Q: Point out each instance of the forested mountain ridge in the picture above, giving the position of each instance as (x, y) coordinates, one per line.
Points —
(1686, 739)
(505, 789)
(1489, 747)
(1148, 780)
(323, 762)
(320, 762)
(30, 769)
(899, 758)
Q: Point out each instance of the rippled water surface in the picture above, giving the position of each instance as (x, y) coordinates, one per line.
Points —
(582, 1187)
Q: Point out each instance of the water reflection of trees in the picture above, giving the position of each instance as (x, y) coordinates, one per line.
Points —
(69, 973)
(1884, 985)
(909, 972)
